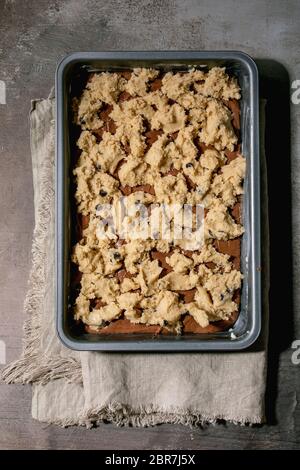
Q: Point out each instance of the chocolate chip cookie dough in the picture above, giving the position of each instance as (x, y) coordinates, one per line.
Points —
(166, 138)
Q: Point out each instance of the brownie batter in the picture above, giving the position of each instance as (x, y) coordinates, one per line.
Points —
(167, 131)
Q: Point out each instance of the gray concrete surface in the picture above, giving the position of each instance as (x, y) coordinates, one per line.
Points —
(34, 35)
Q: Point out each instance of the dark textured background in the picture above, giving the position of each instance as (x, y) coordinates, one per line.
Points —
(34, 35)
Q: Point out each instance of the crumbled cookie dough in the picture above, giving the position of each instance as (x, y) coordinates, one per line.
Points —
(136, 251)
(215, 301)
(180, 263)
(109, 153)
(129, 300)
(198, 314)
(229, 183)
(219, 224)
(133, 172)
(129, 285)
(87, 111)
(185, 144)
(89, 260)
(130, 117)
(100, 287)
(167, 308)
(217, 129)
(178, 281)
(200, 173)
(219, 84)
(171, 189)
(209, 254)
(138, 83)
(176, 85)
(162, 309)
(148, 275)
(222, 286)
(85, 142)
(166, 144)
(99, 317)
(106, 87)
(93, 188)
(159, 156)
(171, 119)
(82, 307)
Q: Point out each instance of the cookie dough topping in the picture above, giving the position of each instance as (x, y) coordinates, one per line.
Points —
(158, 139)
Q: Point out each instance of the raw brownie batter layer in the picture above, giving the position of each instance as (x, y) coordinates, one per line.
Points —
(159, 138)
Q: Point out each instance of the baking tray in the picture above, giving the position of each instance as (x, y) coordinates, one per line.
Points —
(247, 327)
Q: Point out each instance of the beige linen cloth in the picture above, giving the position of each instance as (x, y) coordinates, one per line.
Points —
(85, 388)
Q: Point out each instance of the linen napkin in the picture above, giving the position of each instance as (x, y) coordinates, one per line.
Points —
(85, 388)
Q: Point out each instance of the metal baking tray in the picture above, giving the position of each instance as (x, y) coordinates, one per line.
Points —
(247, 327)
